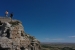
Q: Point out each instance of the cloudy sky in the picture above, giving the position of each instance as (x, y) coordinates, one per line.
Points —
(47, 20)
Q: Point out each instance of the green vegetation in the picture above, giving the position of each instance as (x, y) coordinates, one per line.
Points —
(31, 37)
(48, 47)
(14, 23)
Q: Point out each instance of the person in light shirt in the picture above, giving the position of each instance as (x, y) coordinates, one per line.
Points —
(6, 13)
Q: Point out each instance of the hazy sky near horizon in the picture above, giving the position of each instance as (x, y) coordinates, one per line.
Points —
(47, 20)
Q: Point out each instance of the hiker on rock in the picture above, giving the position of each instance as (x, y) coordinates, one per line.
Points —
(11, 15)
(6, 13)
(0, 23)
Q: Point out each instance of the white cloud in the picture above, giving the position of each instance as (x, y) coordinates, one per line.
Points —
(47, 39)
(72, 36)
(58, 39)
(55, 39)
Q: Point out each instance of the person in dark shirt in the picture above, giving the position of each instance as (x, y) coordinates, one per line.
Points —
(0, 23)
(11, 16)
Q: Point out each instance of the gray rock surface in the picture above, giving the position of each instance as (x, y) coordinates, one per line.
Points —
(13, 37)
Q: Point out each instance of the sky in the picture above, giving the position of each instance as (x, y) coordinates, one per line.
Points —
(47, 20)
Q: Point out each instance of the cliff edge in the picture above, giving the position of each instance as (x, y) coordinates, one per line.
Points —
(13, 37)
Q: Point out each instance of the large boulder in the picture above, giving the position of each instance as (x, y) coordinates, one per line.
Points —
(13, 36)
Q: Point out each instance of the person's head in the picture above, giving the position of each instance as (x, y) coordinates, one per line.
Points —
(6, 10)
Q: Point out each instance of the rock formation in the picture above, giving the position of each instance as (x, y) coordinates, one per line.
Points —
(13, 37)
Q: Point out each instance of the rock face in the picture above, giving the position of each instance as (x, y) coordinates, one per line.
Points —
(13, 37)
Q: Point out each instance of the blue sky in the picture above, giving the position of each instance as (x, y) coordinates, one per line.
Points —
(47, 20)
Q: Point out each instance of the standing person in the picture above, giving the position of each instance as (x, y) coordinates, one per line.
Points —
(11, 15)
(6, 13)
(0, 23)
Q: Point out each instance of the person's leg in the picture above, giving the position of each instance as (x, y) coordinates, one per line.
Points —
(6, 15)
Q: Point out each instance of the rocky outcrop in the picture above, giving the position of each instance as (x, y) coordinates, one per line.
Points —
(13, 37)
